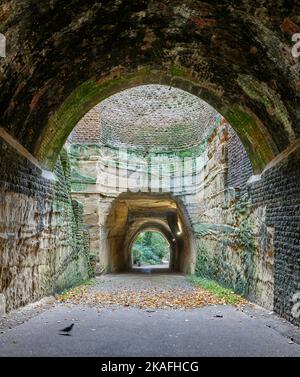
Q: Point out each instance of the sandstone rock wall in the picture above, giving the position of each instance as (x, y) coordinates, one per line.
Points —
(101, 174)
(246, 232)
(234, 244)
(43, 245)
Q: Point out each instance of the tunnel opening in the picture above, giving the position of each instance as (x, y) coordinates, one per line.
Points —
(158, 157)
(135, 214)
(151, 251)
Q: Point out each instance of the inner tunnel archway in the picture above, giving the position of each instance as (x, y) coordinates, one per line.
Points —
(131, 214)
(151, 246)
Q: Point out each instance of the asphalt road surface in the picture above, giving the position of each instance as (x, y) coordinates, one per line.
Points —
(106, 331)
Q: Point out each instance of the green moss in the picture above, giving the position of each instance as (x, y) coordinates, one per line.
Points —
(218, 264)
(92, 264)
(255, 142)
(76, 177)
(203, 262)
(80, 101)
(75, 264)
(177, 70)
(80, 286)
(217, 290)
(268, 97)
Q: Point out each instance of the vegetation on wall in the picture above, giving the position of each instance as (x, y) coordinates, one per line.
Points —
(150, 248)
(231, 263)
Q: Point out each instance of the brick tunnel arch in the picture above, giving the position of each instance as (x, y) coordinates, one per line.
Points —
(236, 57)
(131, 214)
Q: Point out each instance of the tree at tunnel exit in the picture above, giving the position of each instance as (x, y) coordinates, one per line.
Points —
(150, 248)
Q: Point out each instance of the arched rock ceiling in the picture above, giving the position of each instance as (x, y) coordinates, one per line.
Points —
(154, 117)
(65, 56)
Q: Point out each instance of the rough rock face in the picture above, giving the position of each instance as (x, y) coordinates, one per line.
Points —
(43, 246)
(234, 244)
(234, 222)
(100, 175)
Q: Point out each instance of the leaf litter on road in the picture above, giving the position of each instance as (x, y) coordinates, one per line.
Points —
(153, 298)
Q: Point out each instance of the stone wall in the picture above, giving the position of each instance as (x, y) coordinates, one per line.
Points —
(277, 193)
(101, 174)
(228, 229)
(43, 245)
(235, 246)
(247, 234)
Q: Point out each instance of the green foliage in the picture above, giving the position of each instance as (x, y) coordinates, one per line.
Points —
(217, 290)
(150, 248)
(177, 70)
(202, 263)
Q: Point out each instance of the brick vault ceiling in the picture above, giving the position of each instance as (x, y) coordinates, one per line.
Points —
(154, 117)
(148, 117)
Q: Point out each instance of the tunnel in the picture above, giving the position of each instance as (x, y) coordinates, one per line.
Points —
(137, 213)
(229, 85)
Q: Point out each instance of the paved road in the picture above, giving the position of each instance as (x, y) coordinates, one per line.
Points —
(134, 332)
(138, 332)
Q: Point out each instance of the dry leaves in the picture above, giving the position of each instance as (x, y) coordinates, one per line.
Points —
(144, 299)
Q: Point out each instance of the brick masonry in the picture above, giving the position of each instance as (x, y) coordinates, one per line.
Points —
(239, 165)
(278, 191)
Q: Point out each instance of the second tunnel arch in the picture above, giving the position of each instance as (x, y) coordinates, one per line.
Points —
(132, 213)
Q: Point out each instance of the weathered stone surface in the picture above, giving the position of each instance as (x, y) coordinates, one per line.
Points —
(64, 57)
(42, 244)
(229, 229)
(234, 244)
(278, 191)
(2, 304)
